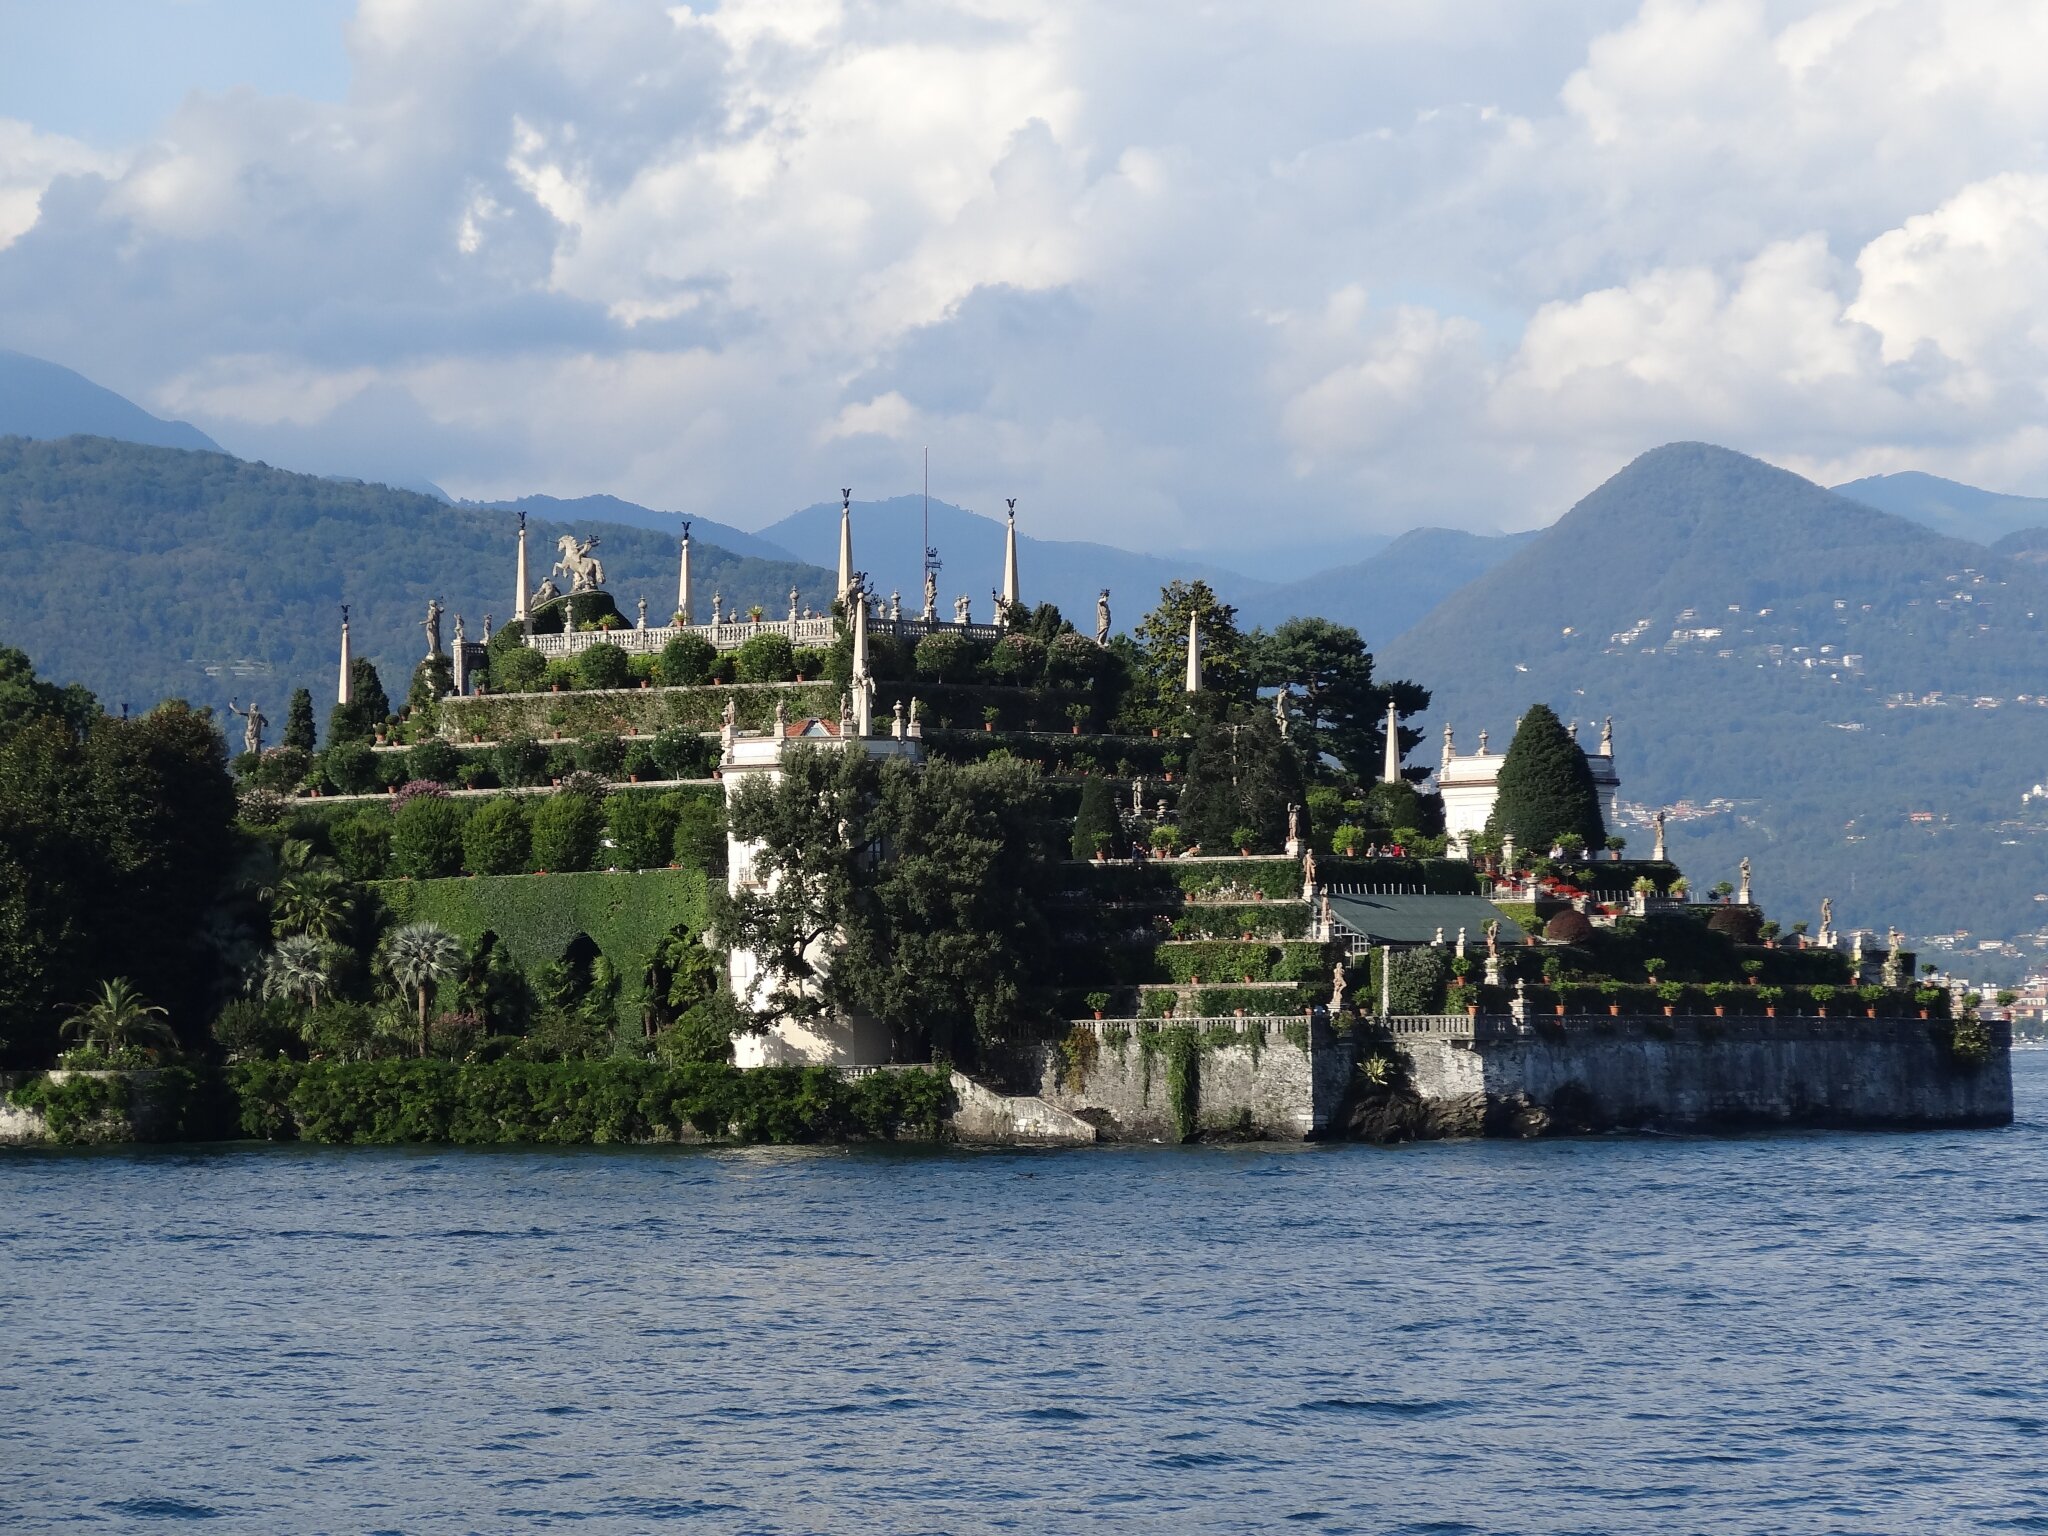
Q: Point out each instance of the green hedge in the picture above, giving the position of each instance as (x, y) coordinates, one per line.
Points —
(1224, 961)
(631, 711)
(1440, 877)
(600, 1101)
(1267, 919)
(626, 914)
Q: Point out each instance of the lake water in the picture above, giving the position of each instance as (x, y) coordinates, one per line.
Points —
(1791, 1333)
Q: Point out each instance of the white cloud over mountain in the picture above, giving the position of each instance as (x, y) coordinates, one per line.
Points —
(1149, 267)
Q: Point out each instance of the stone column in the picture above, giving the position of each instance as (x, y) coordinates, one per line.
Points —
(684, 611)
(345, 692)
(519, 598)
(1390, 772)
(845, 542)
(1194, 679)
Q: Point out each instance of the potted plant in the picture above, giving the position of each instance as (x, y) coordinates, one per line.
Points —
(1653, 967)
(1097, 1001)
(1611, 990)
(1751, 969)
(1614, 847)
(1821, 996)
(1669, 993)
(1243, 836)
(989, 715)
(1769, 997)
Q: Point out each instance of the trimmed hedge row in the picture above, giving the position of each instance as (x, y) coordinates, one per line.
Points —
(631, 711)
(478, 1104)
(1230, 960)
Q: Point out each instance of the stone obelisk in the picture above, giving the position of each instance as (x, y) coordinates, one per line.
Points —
(845, 545)
(1391, 772)
(1011, 605)
(345, 690)
(684, 613)
(519, 598)
(1194, 684)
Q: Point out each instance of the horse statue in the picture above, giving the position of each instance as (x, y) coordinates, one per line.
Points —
(585, 572)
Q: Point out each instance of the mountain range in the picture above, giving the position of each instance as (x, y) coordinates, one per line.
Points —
(43, 400)
(1844, 687)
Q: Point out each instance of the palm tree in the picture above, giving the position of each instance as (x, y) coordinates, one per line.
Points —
(316, 902)
(419, 957)
(120, 1017)
(297, 968)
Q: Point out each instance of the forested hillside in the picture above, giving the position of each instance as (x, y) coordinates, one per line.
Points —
(1868, 693)
(152, 572)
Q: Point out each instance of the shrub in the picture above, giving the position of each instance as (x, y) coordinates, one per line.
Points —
(700, 833)
(640, 763)
(603, 666)
(522, 761)
(413, 789)
(1348, 839)
(600, 754)
(426, 838)
(811, 663)
(249, 1029)
(766, 659)
(685, 754)
(567, 829)
(1073, 659)
(643, 829)
(685, 661)
(726, 669)
(362, 844)
(1570, 926)
(261, 807)
(518, 671)
(1096, 828)
(1016, 659)
(282, 768)
(1741, 924)
(498, 839)
(351, 767)
(942, 656)
(433, 759)
(562, 672)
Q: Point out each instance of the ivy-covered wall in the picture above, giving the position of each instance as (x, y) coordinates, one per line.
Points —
(630, 711)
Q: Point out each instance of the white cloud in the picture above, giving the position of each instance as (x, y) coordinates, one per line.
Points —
(1144, 266)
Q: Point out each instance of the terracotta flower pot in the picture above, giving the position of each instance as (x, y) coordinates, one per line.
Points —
(1720, 1012)
(1471, 1010)
(1560, 1010)
(1098, 1013)
(1614, 1010)
(1077, 730)
(988, 725)
(1669, 1010)
(1923, 1013)
(1770, 1010)
(1870, 1013)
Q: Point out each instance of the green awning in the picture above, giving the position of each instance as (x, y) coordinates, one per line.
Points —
(1416, 919)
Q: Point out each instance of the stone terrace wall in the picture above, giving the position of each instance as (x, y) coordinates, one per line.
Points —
(1705, 1074)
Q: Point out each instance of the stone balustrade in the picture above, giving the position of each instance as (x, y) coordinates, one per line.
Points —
(818, 633)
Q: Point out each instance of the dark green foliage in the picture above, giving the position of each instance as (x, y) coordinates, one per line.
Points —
(576, 1102)
(498, 838)
(1018, 659)
(1337, 707)
(603, 665)
(516, 671)
(643, 830)
(1097, 828)
(254, 1029)
(684, 754)
(1160, 660)
(766, 658)
(600, 753)
(1239, 776)
(114, 845)
(368, 689)
(1074, 661)
(25, 697)
(350, 765)
(521, 761)
(1546, 789)
(426, 838)
(685, 661)
(433, 759)
(1388, 806)
(566, 830)
(433, 679)
(362, 844)
(700, 833)
(942, 657)
(298, 720)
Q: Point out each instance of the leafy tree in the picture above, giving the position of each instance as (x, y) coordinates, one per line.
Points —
(604, 665)
(685, 661)
(368, 689)
(498, 839)
(517, 671)
(120, 1019)
(350, 765)
(1336, 706)
(1097, 828)
(419, 957)
(24, 697)
(685, 754)
(567, 829)
(362, 844)
(1073, 660)
(944, 656)
(1241, 776)
(1018, 658)
(1545, 787)
(426, 838)
(700, 834)
(435, 760)
(643, 829)
(766, 658)
(298, 720)
(521, 761)
(1162, 654)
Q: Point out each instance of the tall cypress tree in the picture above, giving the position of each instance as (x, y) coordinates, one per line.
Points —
(1096, 823)
(1545, 788)
(298, 720)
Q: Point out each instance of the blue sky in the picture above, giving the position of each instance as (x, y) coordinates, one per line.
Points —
(1177, 277)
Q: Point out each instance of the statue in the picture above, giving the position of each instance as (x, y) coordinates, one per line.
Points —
(914, 730)
(781, 719)
(729, 722)
(1742, 893)
(999, 611)
(642, 624)
(1493, 938)
(1102, 618)
(1461, 943)
(460, 638)
(895, 607)
(546, 592)
(487, 629)
(1482, 743)
(1308, 871)
(1827, 918)
(1657, 853)
(1449, 753)
(575, 561)
(1294, 824)
(931, 595)
(253, 722)
(433, 626)
(793, 600)
(845, 713)
(963, 609)
(1895, 958)
(1438, 941)
(1607, 737)
(1340, 983)
(1280, 710)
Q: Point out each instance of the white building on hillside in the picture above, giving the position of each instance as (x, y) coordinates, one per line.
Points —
(1469, 784)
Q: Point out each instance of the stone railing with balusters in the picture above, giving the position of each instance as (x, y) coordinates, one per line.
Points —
(734, 633)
